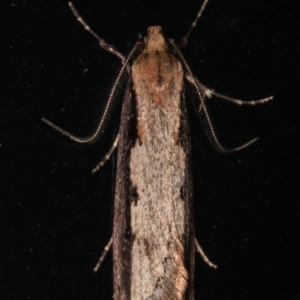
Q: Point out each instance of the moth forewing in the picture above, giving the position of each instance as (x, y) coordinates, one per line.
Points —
(153, 235)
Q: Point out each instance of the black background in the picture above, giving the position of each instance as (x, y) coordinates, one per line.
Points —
(56, 216)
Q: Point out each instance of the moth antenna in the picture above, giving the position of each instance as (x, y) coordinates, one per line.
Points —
(94, 137)
(205, 120)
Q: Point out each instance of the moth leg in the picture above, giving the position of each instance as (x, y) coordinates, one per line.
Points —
(205, 258)
(107, 156)
(103, 44)
(184, 40)
(208, 92)
(106, 249)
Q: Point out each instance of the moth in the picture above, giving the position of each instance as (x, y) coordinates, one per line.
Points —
(153, 238)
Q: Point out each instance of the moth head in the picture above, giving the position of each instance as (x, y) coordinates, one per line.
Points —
(155, 40)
